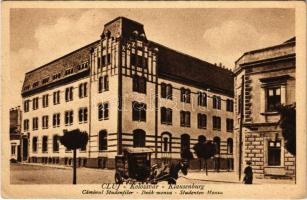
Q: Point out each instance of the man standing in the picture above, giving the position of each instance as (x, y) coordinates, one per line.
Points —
(248, 171)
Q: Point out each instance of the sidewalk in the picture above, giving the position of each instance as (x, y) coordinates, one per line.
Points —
(227, 177)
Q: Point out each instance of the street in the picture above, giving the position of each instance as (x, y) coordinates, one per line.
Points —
(57, 174)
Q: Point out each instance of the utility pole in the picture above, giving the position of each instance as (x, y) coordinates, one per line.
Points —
(241, 124)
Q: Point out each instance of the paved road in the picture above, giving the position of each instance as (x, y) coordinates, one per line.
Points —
(28, 174)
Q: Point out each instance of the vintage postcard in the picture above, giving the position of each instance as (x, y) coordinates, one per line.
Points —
(153, 100)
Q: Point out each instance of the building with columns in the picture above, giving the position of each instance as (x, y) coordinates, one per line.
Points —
(127, 91)
(264, 79)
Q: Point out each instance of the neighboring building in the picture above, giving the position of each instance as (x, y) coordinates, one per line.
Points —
(125, 91)
(268, 81)
(15, 133)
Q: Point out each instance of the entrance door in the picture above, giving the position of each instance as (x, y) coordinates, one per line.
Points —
(25, 149)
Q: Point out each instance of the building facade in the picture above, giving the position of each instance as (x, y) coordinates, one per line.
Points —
(264, 79)
(127, 91)
(15, 133)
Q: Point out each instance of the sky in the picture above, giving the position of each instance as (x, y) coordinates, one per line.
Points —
(216, 35)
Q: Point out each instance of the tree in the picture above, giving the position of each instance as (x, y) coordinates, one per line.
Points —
(186, 154)
(205, 150)
(287, 123)
(198, 149)
(74, 139)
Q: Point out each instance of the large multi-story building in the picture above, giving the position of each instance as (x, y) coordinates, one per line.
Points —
(264, 79)
(127, 91)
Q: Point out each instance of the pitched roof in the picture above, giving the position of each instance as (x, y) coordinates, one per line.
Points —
(188, 69)
(69, 61)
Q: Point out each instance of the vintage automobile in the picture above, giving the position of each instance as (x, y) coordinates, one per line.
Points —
(133, 165)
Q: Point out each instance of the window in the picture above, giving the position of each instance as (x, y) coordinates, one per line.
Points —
(139, 138)
(103, 140)
(217, 143)
(13, 149)
(26, 105)
(166, 116)
(69, 94)
(166, 91)
(185, 118)
(216, 102)
(166, 142)
(69, 117)
(105, 60)
(35, 84)
(229, 105)
(56, 120)
(229, 125)
(26, 125)
(34, 144)
(274, 153)
(103, 84)
(56, 76)
(202, 121)
(184, 142)
(185, 95)
(45, 80)
(139, 84)
(229, 146)
(45, 121)
(83, 115)
(55, 142)
(35, 103)
(45, 144)
(69, 71)
(35, 123)
(239, 100)
(202, 139)
(138, 111)
(45, 100)
(216, 123)
(273, 99)
(202, 99)
(56, 97)
(98, 62)
(83, 90)
(138, 60)
(103, 111)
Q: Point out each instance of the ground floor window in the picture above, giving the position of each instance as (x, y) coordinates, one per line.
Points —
(139, 138)
(34, 144)
(185, 142)
(166, 142)
(274, 153)
(55, 143)
(217, 143)
(13, 149)
(103, 140)
(229, 146)
(45, 144)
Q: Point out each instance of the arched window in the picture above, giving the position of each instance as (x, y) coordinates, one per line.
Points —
(229, 146)
(34, 144)
(166, 141)
(55, 143)
(139, 138)
(185, 142)
(45, 144)
(103, 140)
(217, 143)
(202, 139)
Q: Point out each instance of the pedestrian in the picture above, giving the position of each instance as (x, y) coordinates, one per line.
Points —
(248, 171)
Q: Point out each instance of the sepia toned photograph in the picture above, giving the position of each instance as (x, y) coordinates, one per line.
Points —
(118, 101)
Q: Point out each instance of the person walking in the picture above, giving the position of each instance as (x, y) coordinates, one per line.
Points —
(248, 171)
